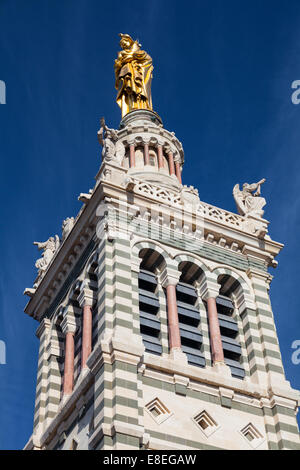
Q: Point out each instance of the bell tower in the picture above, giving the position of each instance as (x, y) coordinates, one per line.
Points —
(155, 324)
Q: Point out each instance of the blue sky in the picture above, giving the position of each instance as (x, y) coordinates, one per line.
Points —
(222, 81)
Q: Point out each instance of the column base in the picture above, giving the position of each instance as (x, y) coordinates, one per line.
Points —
(177, 355)
(84, 371)
(64, 399)
(221, 368)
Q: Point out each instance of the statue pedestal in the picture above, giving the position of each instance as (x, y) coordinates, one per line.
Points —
(139, 116)
(257, 225)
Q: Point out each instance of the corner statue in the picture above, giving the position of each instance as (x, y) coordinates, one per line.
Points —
(248, 203)
(133, 71)
(50, 247)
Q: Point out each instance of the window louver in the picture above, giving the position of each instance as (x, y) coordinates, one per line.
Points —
(189, 320)
(149, 306)
(229, 331)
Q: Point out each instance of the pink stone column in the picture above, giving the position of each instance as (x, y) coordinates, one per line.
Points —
(214, 330)
(146, 154)
(171, 163)
(178, 172)
(160, 156)
(86, 334)
(69, 363)
(132, 155)
(173, 323)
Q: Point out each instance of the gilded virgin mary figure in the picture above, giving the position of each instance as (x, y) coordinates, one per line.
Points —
(133, 71)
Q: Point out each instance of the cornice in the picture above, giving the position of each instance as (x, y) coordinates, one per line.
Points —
(66, 257)
(247, 244)
(111, 183)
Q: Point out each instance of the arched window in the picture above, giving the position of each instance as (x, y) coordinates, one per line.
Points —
(139, 157)
(153, 158)
(189, 315)
(228, 320)
(150, 325)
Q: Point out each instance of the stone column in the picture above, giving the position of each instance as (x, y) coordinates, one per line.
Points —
(169, 280)
(178, 171)
(160, 156)
(132, 154)
(171, 161)
(174, 332)
(214, 331)
(86, 301)
(209, 290)
(146, 153)
(68, 326)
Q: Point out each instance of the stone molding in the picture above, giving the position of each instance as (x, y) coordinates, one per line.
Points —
(69, 323)
(86, 296)
(43, 326)
(169, 276)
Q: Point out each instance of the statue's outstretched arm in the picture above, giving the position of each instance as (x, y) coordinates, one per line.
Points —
(257, 193)
(262, 181)
(40, 245)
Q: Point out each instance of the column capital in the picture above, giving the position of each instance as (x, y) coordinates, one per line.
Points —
(168, 149)
(169, 277)
(254, 273)
(86, 297)
(69, 324)
(43, 326)
(207, 288)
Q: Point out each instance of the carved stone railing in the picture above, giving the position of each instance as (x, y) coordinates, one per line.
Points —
(188, 194)
(156, 192)
(212, 212)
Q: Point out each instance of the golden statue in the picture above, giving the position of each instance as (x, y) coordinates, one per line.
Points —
(133, 71)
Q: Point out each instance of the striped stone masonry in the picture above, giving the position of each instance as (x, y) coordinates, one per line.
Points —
(270, 352)
(137, 350)
(42, 376)
(86, 301)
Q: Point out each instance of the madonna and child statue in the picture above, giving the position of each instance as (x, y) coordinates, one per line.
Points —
(133, 72)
